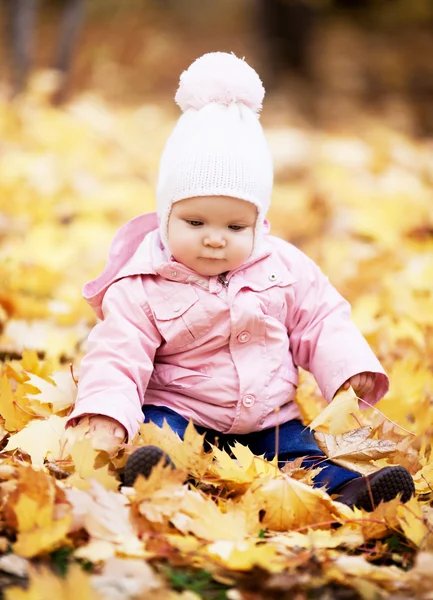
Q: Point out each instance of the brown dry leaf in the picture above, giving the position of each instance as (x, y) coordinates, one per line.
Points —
(355, 449)
(377, 523)
(423, 479)
(45, 585)
(188, 454)
(294, 469)
(340, 416)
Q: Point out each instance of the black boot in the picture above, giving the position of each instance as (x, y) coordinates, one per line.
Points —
(382, 486)
(142, 461)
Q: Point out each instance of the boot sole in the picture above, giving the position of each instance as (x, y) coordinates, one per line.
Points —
(386, 486)
(142, 461)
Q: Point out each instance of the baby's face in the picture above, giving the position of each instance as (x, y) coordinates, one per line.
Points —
(212, 234)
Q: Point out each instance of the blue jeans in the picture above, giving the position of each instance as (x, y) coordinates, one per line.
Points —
(294, 441)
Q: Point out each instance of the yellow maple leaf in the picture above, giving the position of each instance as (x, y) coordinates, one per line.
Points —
(340, 416)
(245, 555)
(84, 456)
(238, 472)
(159, 497)
(289, 504)
(14, 407)
(198, 514)
(40, 439)
(29, 363)
(411, 519)
(32, 509)
(59, 393)
(411, 384)
(377, 523)
(43, 539)
(44, 585)
(188, 454)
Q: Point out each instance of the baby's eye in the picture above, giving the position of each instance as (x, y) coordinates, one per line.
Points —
(194, 223)
(236, 227)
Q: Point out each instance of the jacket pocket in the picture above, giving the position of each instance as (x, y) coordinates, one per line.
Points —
(181, 318)
(175, 377)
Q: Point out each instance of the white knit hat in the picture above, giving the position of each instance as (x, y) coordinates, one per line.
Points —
(217, 147)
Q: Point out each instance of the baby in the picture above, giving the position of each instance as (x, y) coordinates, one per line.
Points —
(206, 317)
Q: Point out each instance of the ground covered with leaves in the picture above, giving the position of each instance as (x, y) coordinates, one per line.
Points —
(219, 526)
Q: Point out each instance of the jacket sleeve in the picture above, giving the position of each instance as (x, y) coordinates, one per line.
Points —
(121, 348)
(324, 340)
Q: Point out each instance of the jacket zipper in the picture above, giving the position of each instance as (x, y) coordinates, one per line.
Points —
(223, 281)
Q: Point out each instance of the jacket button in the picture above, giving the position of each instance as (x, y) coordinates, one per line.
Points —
(176, 307)
(248, 401)
(244, 337)
(174, 274)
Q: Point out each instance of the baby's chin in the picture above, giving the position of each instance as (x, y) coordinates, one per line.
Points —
(211, 268)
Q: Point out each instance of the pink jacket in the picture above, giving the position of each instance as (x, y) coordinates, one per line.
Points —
(225, 357)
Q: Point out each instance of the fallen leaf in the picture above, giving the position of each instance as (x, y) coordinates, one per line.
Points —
(340, 416)
(188, 454)
(104, 514)
(14, 408)
(291, 504)
(45, 584)
(60, 393)
(31, 508)
(355, 449)
(244, 556)
(40, 439)
(84, 456)
(411, 519)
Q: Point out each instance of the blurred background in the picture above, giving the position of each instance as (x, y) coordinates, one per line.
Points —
(326, 62)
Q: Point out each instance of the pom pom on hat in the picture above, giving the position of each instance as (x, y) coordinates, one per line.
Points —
(222, 78)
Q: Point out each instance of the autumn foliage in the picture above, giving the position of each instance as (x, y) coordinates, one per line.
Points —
(362, 208)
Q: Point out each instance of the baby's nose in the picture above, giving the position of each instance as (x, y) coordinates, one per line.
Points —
(214, 241)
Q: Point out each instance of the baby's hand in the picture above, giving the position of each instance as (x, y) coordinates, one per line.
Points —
(362, 383)
(105, 433)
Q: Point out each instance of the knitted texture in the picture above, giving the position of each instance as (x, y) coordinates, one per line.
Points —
(217, 147)
(142, 461)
